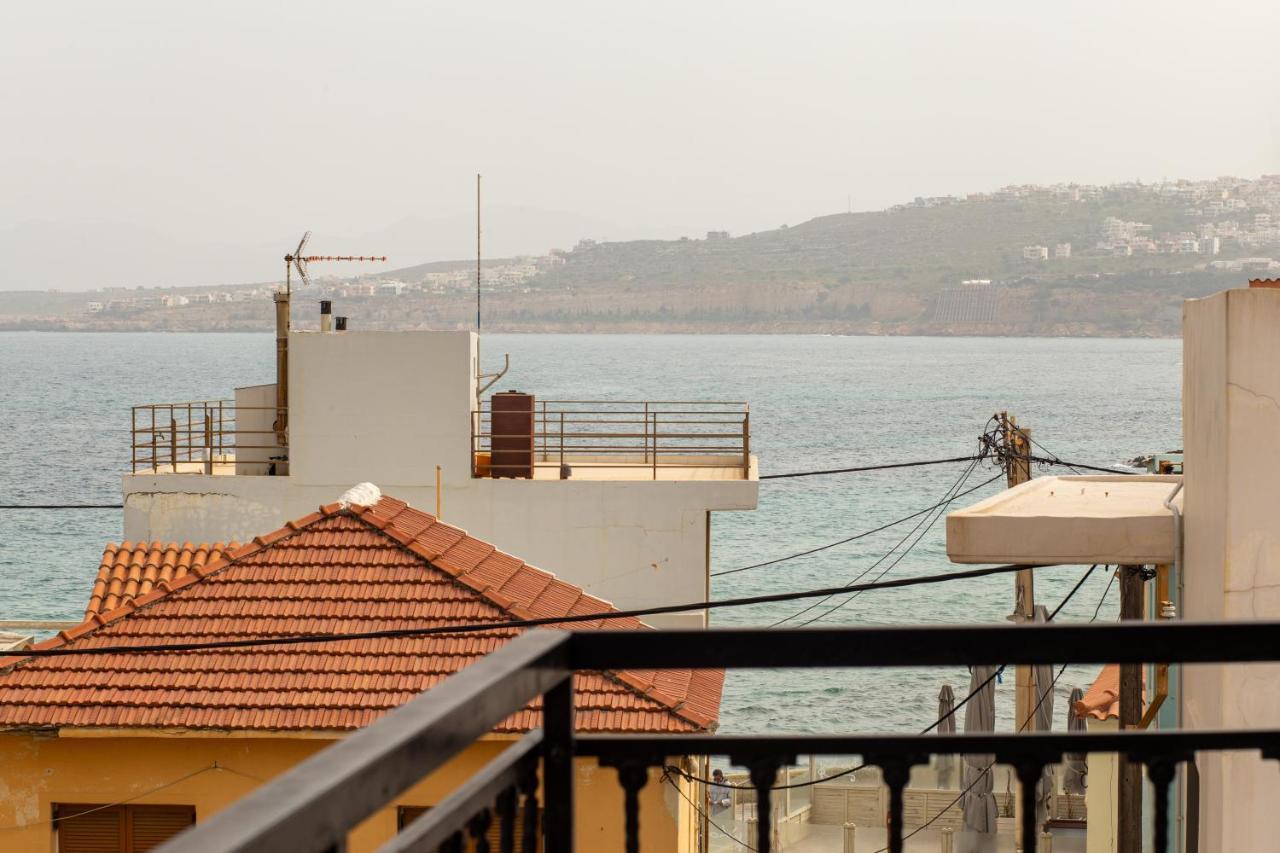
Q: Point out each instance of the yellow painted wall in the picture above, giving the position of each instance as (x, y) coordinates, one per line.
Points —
(37, 771)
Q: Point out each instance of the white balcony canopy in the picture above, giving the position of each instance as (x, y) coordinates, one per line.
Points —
(1069, 521)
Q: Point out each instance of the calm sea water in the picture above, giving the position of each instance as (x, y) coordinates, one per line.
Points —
(816, 402)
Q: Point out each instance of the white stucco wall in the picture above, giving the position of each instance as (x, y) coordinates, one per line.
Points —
(1231, 424)
(1100, 797)
(387, 407)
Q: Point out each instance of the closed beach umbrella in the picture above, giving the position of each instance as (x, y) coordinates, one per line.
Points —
(946, 726)
(978, 802)
(1075, 766)
(1043, 723)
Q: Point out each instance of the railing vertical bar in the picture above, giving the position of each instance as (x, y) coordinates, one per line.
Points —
(1161, 774)
(155, 450)
(507, 821)
(557, 785)
(208, 440)
(1029, 774)
(173, 442)
(633, 777)
(479, 829)
(896, 776)
(655, 445)
(764, 774)
(646, 432)
(746, 444)
(529, 790)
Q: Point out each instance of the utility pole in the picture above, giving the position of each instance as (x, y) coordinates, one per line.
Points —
(477, 251)
(1017, 468)
(1129, 812)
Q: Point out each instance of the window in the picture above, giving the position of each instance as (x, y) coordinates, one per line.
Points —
(118, 829)
(406, 815)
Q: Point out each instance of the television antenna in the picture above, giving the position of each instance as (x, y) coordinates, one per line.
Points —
(297, 262)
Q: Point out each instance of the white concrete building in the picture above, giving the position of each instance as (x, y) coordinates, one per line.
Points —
(1035, 253)
(614, 497)
(1226, 566)
(1230, 421)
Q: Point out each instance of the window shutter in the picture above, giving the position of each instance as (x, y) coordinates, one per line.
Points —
(90, 829)
(154, 825)
(118, 829)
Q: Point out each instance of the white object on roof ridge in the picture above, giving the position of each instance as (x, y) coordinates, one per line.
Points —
(363, 494)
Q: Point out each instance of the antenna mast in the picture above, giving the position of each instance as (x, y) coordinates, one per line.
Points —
(477, 251)
(297, 262)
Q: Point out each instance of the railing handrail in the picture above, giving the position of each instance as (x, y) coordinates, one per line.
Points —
(313, 806)
(932, 645)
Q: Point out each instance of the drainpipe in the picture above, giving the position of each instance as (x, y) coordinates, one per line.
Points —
(1182, 830)
(281, 424)
(1177, 537)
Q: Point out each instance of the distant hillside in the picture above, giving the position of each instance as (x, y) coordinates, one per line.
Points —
(1067, 260)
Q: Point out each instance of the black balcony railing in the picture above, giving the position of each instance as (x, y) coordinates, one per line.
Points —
(314, 806)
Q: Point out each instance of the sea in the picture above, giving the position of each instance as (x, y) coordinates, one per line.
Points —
(817, 402)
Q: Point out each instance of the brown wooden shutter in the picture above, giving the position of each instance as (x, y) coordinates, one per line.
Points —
(118, 829)
(151, 826)
(90, 829)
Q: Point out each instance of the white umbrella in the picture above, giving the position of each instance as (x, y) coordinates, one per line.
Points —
(946, 764)
(978, 803)
(1077, 769)
(1043, 715)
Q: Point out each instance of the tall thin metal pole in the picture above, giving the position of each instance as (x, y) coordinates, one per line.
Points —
(1129, 797)
(477, 251)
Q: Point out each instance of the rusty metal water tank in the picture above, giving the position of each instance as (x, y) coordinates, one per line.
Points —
(512, 431)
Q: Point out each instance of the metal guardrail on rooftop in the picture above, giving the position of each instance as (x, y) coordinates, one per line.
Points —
(205, 437)
(316, 804)
(566, 435)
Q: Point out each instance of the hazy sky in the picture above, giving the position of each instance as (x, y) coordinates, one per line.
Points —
(237, 122)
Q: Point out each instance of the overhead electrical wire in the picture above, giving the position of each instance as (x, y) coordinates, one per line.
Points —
(1044, 694)
(1044, 460)
(885, 467)
(391, 633)
(61, 506)
(856, 536)
(948, 496)
(1052, 614)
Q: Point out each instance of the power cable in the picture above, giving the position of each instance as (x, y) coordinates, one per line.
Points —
(391, 633)
(666, 777)
(61, 506)
(885, 467)
(1043, 695)
(947, 498)
(972, 693)
(1043, 460)
(1050, 453)
(856, 536)
(54, 821)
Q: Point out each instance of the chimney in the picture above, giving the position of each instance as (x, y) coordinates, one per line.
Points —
(340, 324)
(326, 315)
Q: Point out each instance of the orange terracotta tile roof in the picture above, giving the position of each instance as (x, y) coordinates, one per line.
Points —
(1102, 700)
(337, 570)
(129, 571)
